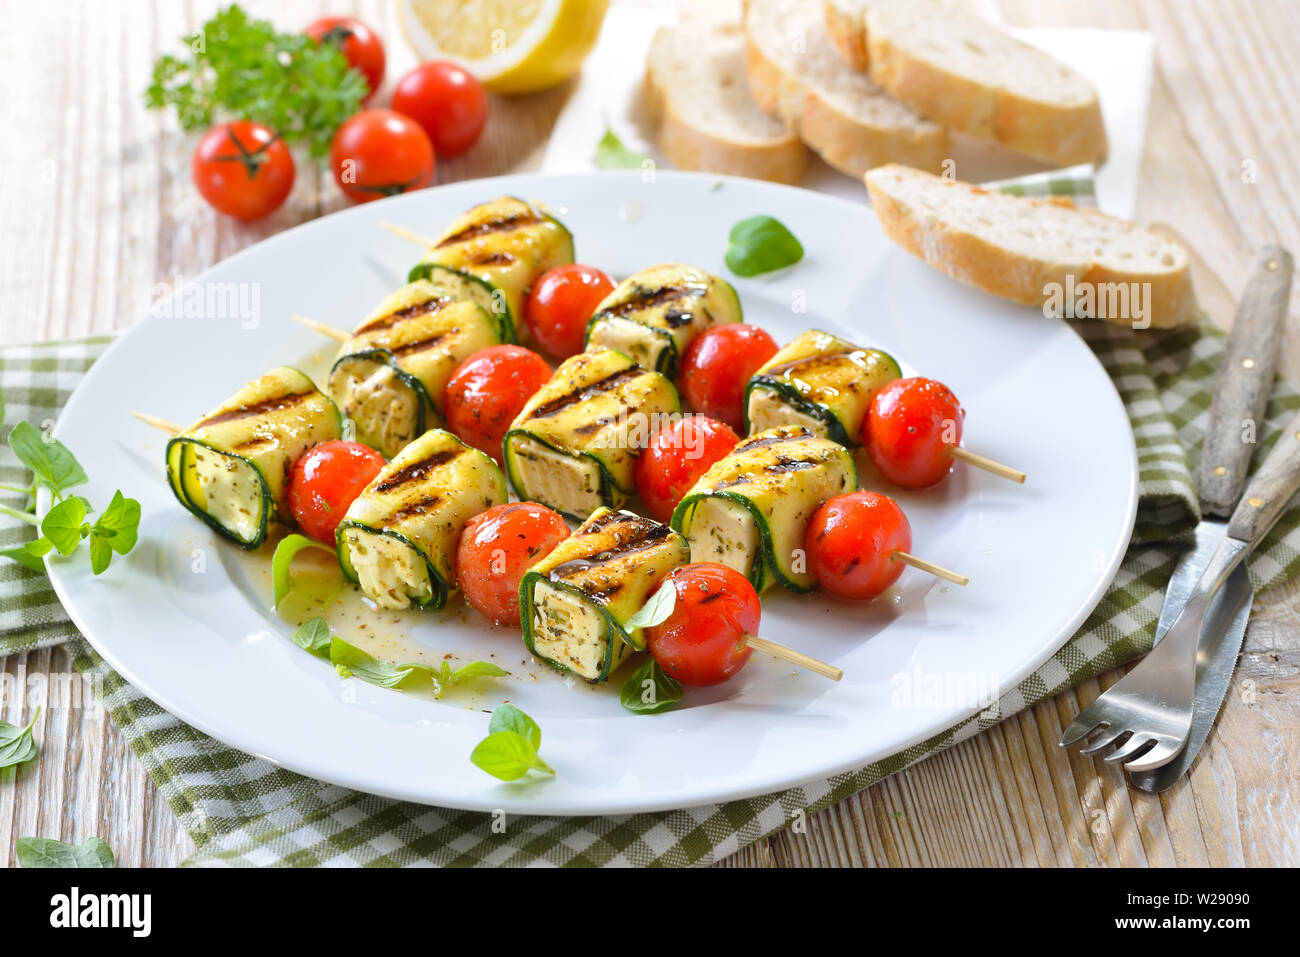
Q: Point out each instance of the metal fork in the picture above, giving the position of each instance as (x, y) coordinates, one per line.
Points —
(1152, 704)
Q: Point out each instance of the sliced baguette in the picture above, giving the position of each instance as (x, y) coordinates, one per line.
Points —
(967, 74)
(1029, 250)
(706, 119)
(796, 74)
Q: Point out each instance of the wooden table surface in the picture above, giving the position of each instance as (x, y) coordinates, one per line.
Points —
(97, 207)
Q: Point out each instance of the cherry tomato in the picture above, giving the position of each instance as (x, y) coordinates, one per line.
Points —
(242, 169)
(495, 550)
(358, 43)
(676, 458)
(717, 366)
(380, 153)
(560, 304)
(850, 539)
(908, 428)
(702, 641)
(324, 482)
(488, 390)
(444, 99)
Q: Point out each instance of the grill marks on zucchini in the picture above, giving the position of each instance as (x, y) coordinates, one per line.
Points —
(398, 538)
(503, 246)
(230, 468)
(654, 315)
(390, 374)
(584, 393)
(750, 509)
(574, 602)
(820, 382)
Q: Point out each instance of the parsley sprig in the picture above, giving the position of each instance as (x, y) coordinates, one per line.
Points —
(236, 67)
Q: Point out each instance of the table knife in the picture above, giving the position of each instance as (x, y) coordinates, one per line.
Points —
(1245, 382)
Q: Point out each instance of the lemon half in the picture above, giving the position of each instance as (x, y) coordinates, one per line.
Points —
(512, 46)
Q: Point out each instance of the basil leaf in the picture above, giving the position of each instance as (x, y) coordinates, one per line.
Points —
(509, 718)
(657, 608)
(476, 669)
(289, 546)
(43, 852)
(313, 635)
(761, 244)
(48, 459)
(508, 756)
(351, 662)
(119, 526)
(63, 524)
(100, 555)
(650, 690)
(24, 556)
(612, 154)
(17, 746)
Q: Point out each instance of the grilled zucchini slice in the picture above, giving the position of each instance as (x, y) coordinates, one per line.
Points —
(749, 511)
(499, 248)
(573, 444)
(230, 467)
(390, 374)
(820, 382)
(575, 602)
(398, 538)
(654, 315)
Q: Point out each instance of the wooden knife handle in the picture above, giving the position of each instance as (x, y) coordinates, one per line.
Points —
(1270, 489)
(1245, 382)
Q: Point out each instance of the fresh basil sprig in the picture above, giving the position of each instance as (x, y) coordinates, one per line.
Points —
(612, 154)
(288, 547)
(45, 852)
(511, 748)
(66, 525)
(650, 690)
(761, 244)
(17, 745)
(353, 662)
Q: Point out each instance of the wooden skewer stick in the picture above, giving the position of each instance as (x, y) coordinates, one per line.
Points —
(794, 657)
(988, 465)
(336, 334)
(410, 235)
(157, 423)
(930, 567)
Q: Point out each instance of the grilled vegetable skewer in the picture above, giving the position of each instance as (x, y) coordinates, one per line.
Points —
(655, 314)
(398, 539)
(230, 467)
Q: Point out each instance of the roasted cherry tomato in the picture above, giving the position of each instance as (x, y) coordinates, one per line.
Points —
(850, 542)
(703, 640)
(444, 99)
(488, 390)
(242, 169)
(324, 482)
(561, 302)
(717, 367)
(495, 550)
(676, 458)
(379, 153)
(908, 428)
(358, 43)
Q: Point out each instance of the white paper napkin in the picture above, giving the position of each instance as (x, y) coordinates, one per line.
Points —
(1119, 64)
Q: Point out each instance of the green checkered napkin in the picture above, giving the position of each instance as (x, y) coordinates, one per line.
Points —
(242, 810)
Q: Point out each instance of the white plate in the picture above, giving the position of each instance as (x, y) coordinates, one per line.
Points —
(186, 621)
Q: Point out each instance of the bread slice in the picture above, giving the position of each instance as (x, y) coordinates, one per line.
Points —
(967, 74)
(695, 83)
(1036, 251)
(796, 74)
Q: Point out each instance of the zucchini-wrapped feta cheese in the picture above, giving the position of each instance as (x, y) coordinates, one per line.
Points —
(231, 467)
(398, 538)
(654, 315)
(820, 382)
(493, 254)
(391, 372)
(750, 510)
(574, 604)
(573, 444)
